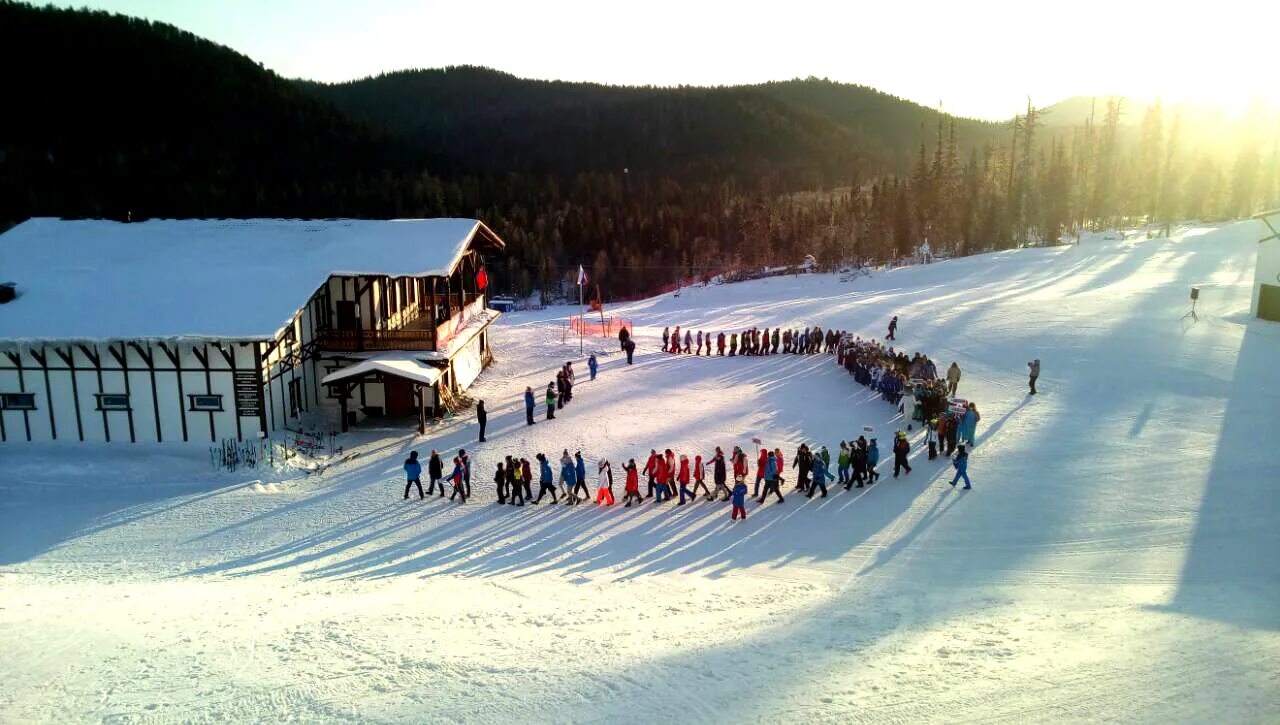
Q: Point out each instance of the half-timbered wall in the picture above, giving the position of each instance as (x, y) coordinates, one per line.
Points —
(158, 379)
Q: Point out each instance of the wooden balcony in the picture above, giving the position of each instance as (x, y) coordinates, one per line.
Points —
(374, 340)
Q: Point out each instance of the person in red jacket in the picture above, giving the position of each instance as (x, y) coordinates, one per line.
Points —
(651, 470)
(662, 493)
(740, 467)
(633, 484)
(683, 477)
(761, 463)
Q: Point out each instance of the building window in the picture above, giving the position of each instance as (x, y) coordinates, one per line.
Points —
(18, 401)
(205, 402)
(112, 401)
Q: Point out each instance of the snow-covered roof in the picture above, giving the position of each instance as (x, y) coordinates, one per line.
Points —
(209, 278)
(407, 365)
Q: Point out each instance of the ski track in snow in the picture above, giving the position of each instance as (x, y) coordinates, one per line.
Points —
(1114, 562)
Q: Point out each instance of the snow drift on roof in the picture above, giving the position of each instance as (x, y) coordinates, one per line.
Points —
(213, 278)
(407, 365)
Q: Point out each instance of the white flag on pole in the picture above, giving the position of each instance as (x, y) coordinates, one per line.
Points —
(582, 276)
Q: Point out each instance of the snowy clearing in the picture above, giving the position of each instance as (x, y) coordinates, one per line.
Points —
(1116, 559)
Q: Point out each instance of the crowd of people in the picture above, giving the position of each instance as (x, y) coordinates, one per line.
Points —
(751, 341)
(911, 383)
(669, 477)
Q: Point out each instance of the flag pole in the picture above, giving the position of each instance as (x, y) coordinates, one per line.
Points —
(581, 314)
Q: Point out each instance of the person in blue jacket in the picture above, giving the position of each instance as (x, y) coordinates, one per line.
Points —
(771, 479)
(568, 475)
(873, 457)
(961, 464)
(593, 365)
(580, 471)
(546, 481)
(820, 476)
(969, 424)
(528, 405)
(413, 474)
(739, 497)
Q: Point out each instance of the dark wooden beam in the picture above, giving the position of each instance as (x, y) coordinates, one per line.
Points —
(175, 357)
(42, 358)
(149, 358)
(68, 357)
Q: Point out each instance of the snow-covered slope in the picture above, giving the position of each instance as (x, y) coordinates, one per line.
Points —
(1115, 560)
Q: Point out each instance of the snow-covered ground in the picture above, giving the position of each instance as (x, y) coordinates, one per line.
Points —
(1116, 560)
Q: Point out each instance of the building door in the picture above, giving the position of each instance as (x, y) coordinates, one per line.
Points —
(1269, 302)
(348, 316)
(295, 397)
(399, 397)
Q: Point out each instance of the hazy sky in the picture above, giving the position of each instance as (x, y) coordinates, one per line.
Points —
(979, 58)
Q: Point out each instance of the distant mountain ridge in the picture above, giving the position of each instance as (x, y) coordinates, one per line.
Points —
(495, 120)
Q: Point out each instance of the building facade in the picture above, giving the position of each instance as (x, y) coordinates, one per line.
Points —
(178, 330)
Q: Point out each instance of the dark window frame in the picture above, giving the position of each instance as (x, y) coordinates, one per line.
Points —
(128, 405)
(7, 403)
(193, 408)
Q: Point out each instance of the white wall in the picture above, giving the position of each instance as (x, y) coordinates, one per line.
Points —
(467, 364)
(75, 415)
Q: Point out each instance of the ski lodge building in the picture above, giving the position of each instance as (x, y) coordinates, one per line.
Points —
(203, 330)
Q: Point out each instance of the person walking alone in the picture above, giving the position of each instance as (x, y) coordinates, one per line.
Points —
(901, 447)
(893, 328)
(413, 475)
(953, 379)
(1033, 368)
(592, 365)
(482, 418)
(961, 464)
(528, 406)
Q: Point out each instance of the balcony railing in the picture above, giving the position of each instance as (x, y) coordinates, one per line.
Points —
(372, 340)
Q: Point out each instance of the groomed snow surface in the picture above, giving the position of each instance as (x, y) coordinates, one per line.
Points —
(1117, 559)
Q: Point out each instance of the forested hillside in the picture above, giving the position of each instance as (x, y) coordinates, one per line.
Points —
(109, 116)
